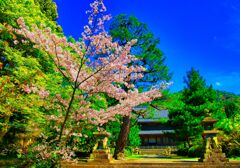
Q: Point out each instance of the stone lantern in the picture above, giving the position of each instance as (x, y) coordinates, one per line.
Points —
(101, 152)
(213, 151)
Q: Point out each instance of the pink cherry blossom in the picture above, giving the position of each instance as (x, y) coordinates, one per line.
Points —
(89, 72)
(43, 93)
(27, 89)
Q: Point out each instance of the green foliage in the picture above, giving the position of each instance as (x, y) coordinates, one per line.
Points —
(228, 122)
(128, 151)
(114, 129)
(86, 142)
(231, 108)
(71, 39)
(17, 106)
(133, 137)
(11, 10)
(98, 102)
(22, 114)
(182, 150)
(49, 8)
(164, 120)
(231, 142)
(196, 149)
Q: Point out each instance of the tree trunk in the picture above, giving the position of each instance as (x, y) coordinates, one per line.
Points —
(122, 137)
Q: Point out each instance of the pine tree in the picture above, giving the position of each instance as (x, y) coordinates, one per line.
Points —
(123, 29)
(195, 102)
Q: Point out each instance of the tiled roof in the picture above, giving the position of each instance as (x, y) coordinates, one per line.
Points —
(147, 120)
(151, 116)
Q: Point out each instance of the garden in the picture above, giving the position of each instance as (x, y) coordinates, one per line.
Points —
(65, 100)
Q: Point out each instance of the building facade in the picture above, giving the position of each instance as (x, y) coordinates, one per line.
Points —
(154, 132)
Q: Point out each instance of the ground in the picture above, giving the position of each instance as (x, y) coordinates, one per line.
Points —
(150, 161)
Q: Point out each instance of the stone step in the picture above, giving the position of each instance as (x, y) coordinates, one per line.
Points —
(155, 151)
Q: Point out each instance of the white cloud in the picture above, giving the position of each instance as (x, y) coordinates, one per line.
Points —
(218, 84)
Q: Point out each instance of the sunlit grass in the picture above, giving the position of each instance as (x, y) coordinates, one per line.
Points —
(235, 158)
(134, 156)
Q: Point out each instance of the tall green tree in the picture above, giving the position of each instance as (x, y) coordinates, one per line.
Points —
(22, 114)
(195, 102)
(123, 29)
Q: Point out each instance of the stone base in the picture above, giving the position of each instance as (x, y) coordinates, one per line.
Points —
(213, 153)
(100, 156)
(214, 157)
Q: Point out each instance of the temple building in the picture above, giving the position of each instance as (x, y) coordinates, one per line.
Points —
(154, 129)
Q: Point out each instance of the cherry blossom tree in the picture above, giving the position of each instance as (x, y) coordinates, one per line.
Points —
(93, 65)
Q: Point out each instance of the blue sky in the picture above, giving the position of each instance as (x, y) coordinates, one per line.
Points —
(204, 34)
